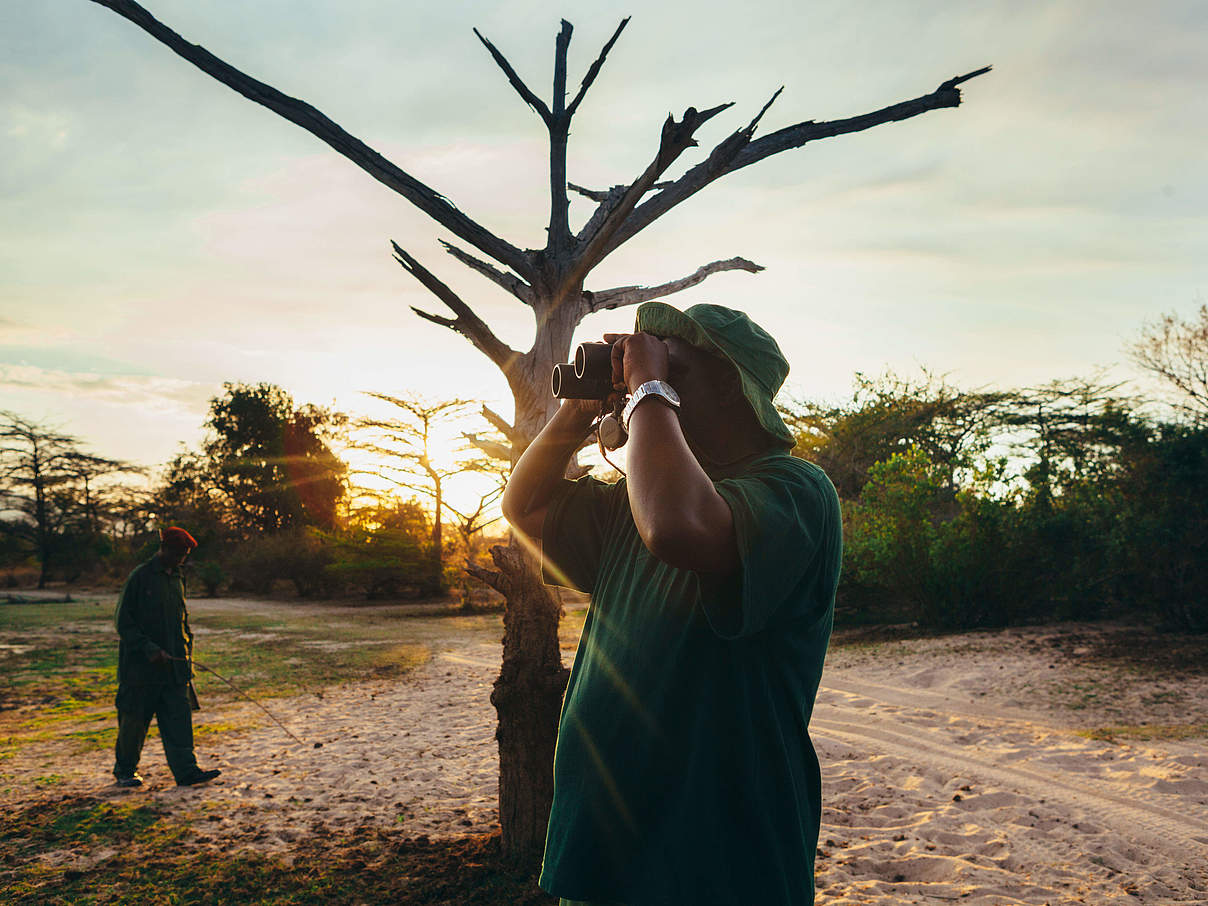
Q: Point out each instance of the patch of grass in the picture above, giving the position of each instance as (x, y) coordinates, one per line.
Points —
(69, 665)
(218, 728)
(1139, 649)
(94, 740)
(1147, 732)
(78, 823)
(157, 864)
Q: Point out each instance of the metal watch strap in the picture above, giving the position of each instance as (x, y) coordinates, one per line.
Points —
(660, 389)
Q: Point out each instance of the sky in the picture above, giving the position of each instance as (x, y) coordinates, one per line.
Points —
(160, 234)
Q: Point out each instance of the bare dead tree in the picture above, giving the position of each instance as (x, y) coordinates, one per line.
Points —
(1176, 351)
(550, 280)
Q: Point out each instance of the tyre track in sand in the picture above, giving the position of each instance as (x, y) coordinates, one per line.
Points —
(1142, 807)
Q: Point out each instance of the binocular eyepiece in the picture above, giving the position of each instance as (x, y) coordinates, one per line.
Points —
(588, 378)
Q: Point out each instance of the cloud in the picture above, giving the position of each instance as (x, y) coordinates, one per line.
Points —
(144, 391)
(40, 128)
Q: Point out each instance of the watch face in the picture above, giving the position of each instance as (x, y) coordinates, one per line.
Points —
(668, 390)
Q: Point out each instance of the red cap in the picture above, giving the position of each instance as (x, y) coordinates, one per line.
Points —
(177, 537)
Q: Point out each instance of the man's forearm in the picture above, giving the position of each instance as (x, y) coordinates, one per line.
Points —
(677, 510)
(539, 470)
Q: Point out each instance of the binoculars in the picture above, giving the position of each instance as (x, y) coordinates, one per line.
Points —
(588, 378)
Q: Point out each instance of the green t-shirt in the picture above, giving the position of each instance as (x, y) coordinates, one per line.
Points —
(684, 772)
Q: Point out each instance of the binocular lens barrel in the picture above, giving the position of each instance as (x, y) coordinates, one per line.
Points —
(589, 378)
(594, 360)
(567, 386)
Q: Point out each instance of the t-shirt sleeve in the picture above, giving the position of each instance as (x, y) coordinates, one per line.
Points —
(574, 532)
(788, 528)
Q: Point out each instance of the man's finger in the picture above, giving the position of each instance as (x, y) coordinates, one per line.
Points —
(618, 358)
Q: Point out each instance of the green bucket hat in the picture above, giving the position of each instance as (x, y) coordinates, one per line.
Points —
(761, 365)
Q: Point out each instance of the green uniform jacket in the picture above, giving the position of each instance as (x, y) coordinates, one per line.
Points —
(151, 616)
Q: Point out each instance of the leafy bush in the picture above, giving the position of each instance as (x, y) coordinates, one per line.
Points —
(300, 556)
(1161, 532)
(890, 529)
(211, 575)
(386, 562)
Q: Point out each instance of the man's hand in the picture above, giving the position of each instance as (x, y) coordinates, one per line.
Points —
(159, 657)
(581, 412)
(540, 469)
(636, 359)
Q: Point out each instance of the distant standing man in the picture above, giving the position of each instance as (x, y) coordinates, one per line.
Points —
(155, 665)
(684, 772)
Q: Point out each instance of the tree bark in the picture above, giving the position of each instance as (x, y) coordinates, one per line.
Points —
(528, 699)
(528, 692)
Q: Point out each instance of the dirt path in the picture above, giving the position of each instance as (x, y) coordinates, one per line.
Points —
(417, 755)
(1001, 810)
(951, 772)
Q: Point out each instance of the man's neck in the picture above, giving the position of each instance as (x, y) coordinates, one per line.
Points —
(725, 448)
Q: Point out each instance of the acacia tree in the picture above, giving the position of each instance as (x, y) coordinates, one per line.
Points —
(404, 447)
(47, 481)
(551, 281)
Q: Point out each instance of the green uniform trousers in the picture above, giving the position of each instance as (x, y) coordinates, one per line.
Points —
(169, 704)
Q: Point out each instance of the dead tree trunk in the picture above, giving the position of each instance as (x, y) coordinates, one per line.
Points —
(550, 280)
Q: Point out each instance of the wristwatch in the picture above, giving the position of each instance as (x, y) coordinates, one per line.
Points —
(661, 389)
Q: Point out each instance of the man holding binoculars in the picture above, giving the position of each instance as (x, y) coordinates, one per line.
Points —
(684, 771)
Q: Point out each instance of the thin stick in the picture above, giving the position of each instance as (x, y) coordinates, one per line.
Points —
(239, 691)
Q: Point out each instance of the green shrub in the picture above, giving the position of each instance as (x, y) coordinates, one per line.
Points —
(211, 575)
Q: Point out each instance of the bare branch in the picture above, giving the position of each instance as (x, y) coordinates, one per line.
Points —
(435, 319)
(510, 282)
(675, 139)
(493, 449)
(956, 80)
(523, 90)
(594, 69)
(632, 295)
(421, 408)
(609, 199)
(750, 130)
(492, 577)
(500, 423)
(606, 194)
(593, 194)
(561, 45)
(467, 323)
(747, 153)
(302, 114)
(559, 238)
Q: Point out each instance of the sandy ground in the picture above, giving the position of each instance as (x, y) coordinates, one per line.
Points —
(951, 772)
